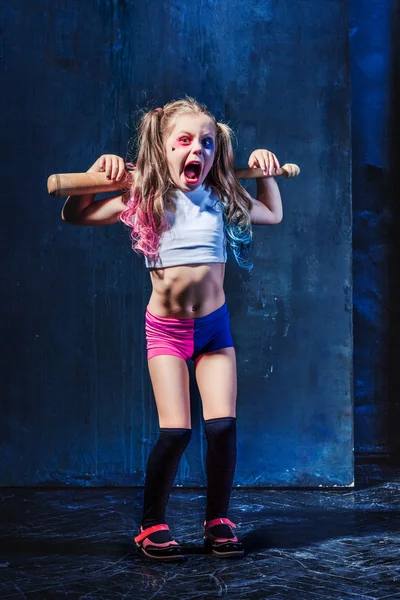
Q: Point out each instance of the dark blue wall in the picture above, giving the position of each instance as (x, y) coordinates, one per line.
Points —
(374, 43)
(77, 405)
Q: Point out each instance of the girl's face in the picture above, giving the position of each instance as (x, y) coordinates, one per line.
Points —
(190, 149)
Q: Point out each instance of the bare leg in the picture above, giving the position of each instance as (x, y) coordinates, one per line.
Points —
(217, 382)
(170, 380)
(216, 378)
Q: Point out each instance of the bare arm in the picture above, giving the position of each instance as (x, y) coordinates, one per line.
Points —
(83, 210)
(267, 209)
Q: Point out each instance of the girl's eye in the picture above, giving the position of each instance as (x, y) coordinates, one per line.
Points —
(208, 142)
(185, 140)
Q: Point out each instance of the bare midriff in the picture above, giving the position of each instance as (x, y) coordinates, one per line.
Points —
(187, 291)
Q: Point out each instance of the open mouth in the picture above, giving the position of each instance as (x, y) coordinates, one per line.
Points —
(192, 172)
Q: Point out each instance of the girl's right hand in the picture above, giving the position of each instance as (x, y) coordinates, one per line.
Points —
(110, 164)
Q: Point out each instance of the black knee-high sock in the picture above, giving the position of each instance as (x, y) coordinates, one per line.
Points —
(161, 470)
(220, 464)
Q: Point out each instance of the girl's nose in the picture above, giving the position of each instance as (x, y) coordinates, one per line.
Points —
(197, 148)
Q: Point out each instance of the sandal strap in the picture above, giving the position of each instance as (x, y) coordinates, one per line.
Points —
(149, 530)
(214, 522)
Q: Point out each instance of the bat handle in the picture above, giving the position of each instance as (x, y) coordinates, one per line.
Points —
(288, 170)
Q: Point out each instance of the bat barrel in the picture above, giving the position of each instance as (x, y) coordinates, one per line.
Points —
(76, 184)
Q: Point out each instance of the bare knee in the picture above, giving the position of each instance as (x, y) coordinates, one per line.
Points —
(175, 417)
(174, 422)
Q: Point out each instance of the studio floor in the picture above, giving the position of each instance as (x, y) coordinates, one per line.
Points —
(300, 544)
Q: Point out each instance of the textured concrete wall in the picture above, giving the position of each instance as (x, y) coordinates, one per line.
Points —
(77, 406)
(375, 99)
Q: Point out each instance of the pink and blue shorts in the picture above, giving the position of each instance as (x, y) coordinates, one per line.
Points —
(188, 338)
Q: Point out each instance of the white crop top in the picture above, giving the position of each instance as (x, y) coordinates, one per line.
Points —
(196, 231)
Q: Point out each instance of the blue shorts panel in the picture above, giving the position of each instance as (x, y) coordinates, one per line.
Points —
(212, 332)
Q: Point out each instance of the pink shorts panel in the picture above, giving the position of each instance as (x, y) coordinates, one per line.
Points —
(164, 350)
(174, 337)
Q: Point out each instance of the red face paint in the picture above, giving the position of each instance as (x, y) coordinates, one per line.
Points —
(186, 142)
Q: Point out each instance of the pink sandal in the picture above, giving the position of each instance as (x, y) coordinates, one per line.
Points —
(169, 550)
(220, 539)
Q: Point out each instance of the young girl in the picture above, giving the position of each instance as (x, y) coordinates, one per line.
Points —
(184, 205)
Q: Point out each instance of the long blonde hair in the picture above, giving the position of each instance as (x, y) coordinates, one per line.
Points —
(145, 212)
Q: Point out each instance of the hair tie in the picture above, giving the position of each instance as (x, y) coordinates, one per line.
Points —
(159, 111)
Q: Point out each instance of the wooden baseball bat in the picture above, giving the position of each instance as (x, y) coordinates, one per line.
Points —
(76, 184)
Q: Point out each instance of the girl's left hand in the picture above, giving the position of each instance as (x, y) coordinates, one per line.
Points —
(265, 160)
